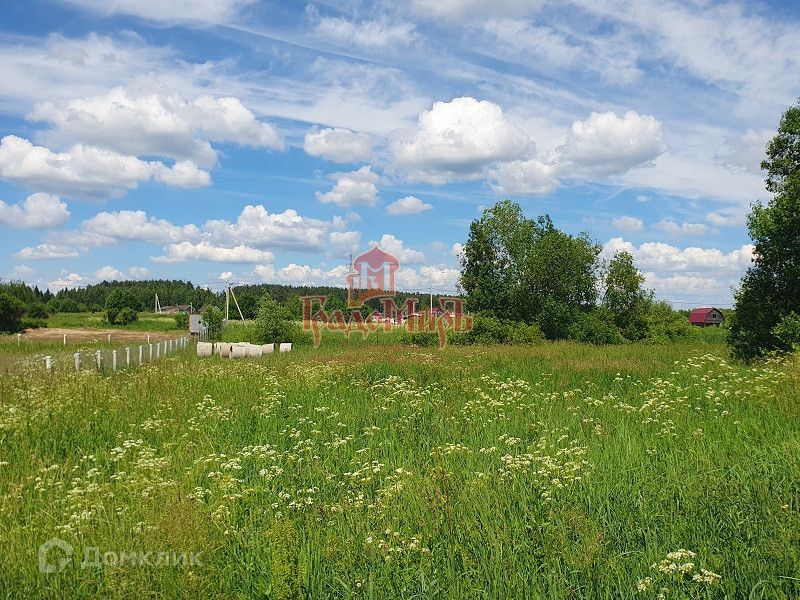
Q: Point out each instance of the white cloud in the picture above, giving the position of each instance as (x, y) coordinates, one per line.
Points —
(205, 251)
(676, 229)
(294, 274)
(605, 144)
(341, 243)
(256, 226)
(22, 271)
(747, 152)
(657, 256)
(457, 140)
(338, 145)
(602, 145)
(136, 225)
(46, 252)
(525, 177)
(458, 250)
(70, 280)
(37, 211)
(371, 33)
(88, 171)
(155, 123)
(726, 218)
(626, 223)
(410, 205)
(175, 11)
(353, 188)
(396, 247)
(109, 273)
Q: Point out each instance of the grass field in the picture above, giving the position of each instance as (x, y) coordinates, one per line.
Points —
(147, 321)
(558, 470)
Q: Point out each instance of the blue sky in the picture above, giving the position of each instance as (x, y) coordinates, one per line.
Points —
(265, 141)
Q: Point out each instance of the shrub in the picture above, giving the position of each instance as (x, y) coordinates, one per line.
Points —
(30, 323)
(271, 325)
(36, 311)
(595, 327)
(11, 311)
(666, 325)
(182, 321)
(68, 305)
(788, 331)
(487, 329)
(126, 316)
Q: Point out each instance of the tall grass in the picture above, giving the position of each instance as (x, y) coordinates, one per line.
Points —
(380, 471)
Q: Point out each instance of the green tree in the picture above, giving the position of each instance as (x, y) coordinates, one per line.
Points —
(770, 289)
(11, 311)
(625, 298)
(520, 269)
(271, 325)
(212, 317)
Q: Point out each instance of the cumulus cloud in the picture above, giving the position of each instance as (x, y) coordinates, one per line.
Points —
(132, 225)
(600, 146)
(294, 274)
(396, 247)
(678, 229)
(88, 171)
(626, 223)
(66, 281)
(353, 188)
(205, 251)
(46, 251)
(457, 140)
(109, 273)
(338, 145)
(37, 211)
(341, 243)
(155, 124)
(372, 33)
(605, 144)
(657, 256)
(410, 205)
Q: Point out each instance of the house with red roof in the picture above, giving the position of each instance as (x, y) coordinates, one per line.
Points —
(703, 317)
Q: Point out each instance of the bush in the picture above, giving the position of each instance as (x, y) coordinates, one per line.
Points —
(68, 305)
(487, 329)
(36, 311)
(788, 331)
(595, 327)
(30, 323)
(182, 321)
(11, 311)
(126, 316)
(667, 325)
(271, 324)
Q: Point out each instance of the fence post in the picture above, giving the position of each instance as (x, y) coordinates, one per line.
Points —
(77, 358)
(158, 350)
(99, 357)
(65, 339)
(109, 338)
(19, 336)
(114, 360)
(127, 357)
(148, 338)
(140, 354)
(48, 363)
(150, 346)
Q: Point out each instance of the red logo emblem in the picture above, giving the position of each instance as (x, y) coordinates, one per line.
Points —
(372, 277)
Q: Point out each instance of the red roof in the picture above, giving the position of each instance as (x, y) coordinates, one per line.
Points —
(698, 315)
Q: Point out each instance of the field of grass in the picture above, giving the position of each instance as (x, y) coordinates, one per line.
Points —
(147, 321)
(375, 471)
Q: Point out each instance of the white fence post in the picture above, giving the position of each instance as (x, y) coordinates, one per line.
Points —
(48, 363)
(148, 338)
(19, 336)
(99, 358)
(77, 358)
(109, 338)
(114, 360)
(150, 346)
(127, 357)
(65, 339)
(158, 350)
(140, 354)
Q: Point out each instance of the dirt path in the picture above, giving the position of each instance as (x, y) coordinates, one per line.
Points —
(84, 334)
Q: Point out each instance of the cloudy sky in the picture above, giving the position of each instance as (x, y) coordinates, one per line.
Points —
(267, 140)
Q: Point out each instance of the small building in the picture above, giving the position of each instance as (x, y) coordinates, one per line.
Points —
(196, 324)
(703, 317)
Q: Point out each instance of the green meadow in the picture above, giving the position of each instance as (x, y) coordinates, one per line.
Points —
(557, 470)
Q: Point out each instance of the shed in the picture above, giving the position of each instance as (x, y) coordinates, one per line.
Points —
(703, 317)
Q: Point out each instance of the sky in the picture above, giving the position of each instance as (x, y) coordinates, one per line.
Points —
(266, 141)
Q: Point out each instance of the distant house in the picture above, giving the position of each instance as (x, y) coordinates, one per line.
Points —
(703, 317)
